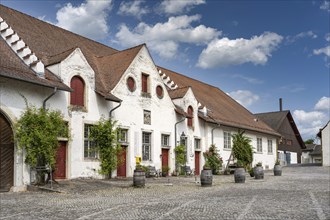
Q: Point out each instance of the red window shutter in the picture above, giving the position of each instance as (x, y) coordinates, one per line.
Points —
(77, 96)
(190, 113)
(144, 83)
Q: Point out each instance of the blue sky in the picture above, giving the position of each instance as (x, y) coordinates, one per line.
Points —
(256, 51)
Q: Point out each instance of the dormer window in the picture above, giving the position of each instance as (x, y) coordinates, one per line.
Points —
(77, 97)
(190, 112)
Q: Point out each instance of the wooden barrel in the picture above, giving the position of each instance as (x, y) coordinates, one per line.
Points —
(258, 173)
(206, 178)
(277, 170)
(139, 178)
(239, 175)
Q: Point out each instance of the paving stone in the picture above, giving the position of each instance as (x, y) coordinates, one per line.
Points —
(301, 193)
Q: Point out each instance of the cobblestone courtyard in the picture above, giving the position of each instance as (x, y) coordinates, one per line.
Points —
(301, 193)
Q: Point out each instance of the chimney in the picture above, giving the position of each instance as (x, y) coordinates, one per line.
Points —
(281, 104)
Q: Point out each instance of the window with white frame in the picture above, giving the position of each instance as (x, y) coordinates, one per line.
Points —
(226, 140)
(197, 143)
(259, 145)
(165, 140)
(89, 145)
(270, 146)
(123, 135)
(146, 146)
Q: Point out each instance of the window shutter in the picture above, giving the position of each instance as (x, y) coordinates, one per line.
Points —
(77, 96)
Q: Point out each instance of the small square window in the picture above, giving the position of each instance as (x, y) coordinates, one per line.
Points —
(122, 135)
(146, 117)
(165, 140)
(197, 143)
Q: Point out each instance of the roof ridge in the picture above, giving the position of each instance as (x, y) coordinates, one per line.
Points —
(283, 111)
(1, 5)
(72, 48)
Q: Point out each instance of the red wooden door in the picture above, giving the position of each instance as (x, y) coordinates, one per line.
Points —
(6, 155)
(164, 157)
(60, 166)
(197, 159)
(121, 168)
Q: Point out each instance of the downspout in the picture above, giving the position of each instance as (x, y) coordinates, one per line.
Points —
(175, 128)
(212, 135)
(110, 113)
(44, 102)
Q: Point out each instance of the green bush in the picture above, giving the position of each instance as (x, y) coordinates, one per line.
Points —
(242, 149)
(213, 160)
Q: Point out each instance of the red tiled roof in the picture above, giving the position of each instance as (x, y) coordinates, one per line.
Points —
(223, 109)
(11, 66)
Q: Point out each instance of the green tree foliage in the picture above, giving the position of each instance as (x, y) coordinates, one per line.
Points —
(242, 149)
(213, 159)
(309, 141)
(105, 136)
(180, 152)
(37, 131)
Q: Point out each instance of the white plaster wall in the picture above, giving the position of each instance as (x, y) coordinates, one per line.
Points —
(130, 114)
(267, 159)
(305, 157)
(326, 146)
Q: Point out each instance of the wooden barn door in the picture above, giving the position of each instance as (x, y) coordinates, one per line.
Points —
(60, 166)
(121, 169)
(197, 159)
(6, 155)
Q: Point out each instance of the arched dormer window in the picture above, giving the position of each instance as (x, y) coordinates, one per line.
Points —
(190, 112)
(78, 95)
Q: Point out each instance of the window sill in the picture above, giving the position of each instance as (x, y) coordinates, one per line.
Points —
(89, 159)
(146, 94)
(165, 146)
(258, 152)
(270, 154)
(77, 108)
(227, 149)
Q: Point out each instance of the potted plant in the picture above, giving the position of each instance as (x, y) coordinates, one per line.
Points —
(213, 159)
(277, 168)
(180, 158)
(206, 175)
(251, 171)
(165, 170)
(243, 153)
(258, 171)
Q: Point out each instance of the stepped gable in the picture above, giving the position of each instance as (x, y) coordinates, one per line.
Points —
(53, 44)
(222, 108)
(11, 66)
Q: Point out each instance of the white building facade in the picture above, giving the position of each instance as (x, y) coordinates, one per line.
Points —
(155, 108)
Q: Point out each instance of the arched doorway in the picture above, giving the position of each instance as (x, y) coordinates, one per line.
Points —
(6, 154)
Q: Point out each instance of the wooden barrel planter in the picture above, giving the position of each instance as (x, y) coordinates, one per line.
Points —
(139, 178)
(206, 178)
(277, 170)
(258, 172)
(239, 175)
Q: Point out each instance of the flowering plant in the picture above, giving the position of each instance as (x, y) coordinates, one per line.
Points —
(213, 159)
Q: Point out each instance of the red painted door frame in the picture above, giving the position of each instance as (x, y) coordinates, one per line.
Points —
(121, 169)
(60, 165)
(197, 162)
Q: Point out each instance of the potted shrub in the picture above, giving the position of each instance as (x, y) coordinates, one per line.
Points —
(258, 171)
(206, 175)
(277, 168)
(165, 170)
(180, 158)
(243, 153)
(213, 159)
(251, 171)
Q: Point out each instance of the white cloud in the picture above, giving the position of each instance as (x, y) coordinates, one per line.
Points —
(87, 19)
(325, 50)
(225, 52)
(325, 6)
(309, 123)
(164, 38)
(133, 8)
(244, 97)
(327, 37)
(178, 6)
(323, 104)
(308, 34)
